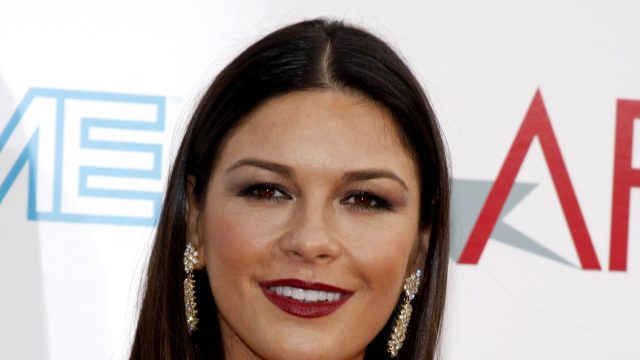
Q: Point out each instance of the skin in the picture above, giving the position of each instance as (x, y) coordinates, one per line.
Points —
(313, 224)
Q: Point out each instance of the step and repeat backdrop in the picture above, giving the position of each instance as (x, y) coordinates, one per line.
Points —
(539, 102)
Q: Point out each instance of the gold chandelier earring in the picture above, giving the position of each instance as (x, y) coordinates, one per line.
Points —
(190, 260)
(411, 287)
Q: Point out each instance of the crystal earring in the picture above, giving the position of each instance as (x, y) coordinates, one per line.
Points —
(411, 287)
(190, 260)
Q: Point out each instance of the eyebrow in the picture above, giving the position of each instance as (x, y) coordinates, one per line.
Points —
(351, 176)
(267, 165)
(363, 175)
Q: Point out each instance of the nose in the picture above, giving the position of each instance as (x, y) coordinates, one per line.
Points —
(311, 237)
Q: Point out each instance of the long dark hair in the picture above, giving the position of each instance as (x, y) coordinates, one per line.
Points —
(316, 54)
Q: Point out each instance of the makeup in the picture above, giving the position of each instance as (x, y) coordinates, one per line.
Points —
(304, 299)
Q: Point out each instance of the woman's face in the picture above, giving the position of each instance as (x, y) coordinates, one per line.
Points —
(309, 227)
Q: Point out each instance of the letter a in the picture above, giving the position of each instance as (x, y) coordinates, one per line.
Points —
(535, 124)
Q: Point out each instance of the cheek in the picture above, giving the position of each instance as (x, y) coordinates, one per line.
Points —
(382, 255)
(233, 251)
(232, 244)
(238, 243)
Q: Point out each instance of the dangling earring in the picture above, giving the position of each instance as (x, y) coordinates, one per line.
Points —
(411, 286)
(190, 260)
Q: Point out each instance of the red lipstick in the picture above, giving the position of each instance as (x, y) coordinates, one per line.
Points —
(321, 300)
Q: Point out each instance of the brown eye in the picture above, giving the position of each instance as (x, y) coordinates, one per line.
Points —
(365, 201)
(267, 192)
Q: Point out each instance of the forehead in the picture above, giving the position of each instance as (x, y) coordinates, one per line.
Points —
(321, 130)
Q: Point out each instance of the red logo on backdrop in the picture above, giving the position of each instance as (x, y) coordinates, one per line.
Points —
(538, 124)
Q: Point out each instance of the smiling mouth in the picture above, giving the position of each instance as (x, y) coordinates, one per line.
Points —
(305, 295)
(304, 299)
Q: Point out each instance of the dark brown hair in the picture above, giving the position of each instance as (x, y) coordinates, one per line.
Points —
(316, 54)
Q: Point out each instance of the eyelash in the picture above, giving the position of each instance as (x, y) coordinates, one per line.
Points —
(380, 204)
(251, 192)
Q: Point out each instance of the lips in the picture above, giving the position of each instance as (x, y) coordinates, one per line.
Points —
(304, 299)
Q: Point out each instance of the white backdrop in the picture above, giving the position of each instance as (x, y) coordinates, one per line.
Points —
(92, 95)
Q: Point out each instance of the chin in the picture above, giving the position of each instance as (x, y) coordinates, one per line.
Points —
(308, 349)
(307, 353)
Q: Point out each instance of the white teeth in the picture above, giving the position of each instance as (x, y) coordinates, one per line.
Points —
(305, 295)
(298, 294)
(311, 295)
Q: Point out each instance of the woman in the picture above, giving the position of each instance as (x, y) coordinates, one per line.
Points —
(306, 215)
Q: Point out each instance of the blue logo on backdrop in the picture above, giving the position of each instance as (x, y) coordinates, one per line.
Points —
(76, 153)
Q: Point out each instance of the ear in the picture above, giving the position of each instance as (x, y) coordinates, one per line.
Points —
(194, 234)
(422, 249)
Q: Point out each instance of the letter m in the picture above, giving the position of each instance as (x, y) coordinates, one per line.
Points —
(93, 157)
